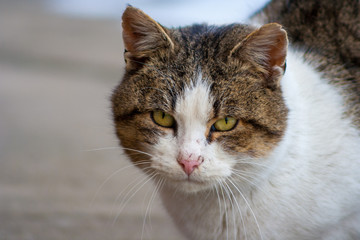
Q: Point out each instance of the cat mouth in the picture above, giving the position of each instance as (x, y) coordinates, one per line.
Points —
(184, 181)
(192, 180)
(192, 185)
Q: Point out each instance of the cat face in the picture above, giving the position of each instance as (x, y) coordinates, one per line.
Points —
(198, 104)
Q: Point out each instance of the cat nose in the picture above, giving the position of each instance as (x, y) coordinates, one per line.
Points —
(189, 163)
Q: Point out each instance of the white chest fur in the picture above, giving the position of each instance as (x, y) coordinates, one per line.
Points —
(313, 189)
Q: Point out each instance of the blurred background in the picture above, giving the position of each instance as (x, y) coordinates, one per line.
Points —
(60, 165)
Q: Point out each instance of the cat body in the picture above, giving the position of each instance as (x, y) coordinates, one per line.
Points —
(246, 136)
(311, 192)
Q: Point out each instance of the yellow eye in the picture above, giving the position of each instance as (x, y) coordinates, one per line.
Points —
(163, 119)
(225, 124)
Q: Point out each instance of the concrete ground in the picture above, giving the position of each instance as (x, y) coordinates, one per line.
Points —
(58, 164)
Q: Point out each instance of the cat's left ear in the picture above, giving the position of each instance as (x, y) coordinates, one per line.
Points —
(143, 35)
(266, 48)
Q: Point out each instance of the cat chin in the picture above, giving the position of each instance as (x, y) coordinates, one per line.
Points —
(190, 186)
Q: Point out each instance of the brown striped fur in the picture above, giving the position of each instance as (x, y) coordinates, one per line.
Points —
(237, 61)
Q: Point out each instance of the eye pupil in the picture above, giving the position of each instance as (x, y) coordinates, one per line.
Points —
(163, 115)
(226, 120)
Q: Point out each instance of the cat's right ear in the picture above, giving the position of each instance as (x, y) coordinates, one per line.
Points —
(266, 49)
(142, 35)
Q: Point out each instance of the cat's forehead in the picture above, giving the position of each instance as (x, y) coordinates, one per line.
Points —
(178, 84)
(172, 83)
(196, 102)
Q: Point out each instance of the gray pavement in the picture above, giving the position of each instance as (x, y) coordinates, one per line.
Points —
(56, 76)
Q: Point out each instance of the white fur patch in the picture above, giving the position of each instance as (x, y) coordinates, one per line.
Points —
(192, 114)
(193, 110)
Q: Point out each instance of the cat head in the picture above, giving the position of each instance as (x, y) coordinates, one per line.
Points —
(200, 104)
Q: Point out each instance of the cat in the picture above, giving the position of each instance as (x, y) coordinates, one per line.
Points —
(252, 131)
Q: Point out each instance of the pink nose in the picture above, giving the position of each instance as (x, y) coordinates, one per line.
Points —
(189, 163)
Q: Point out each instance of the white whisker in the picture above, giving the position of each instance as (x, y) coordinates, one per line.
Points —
(124, 203)
(242, 177)
(117, 147)
(226, 188)
(129, 187)
(247, 203)
(148, 209)
(225, 208)
(112, 175)
(246, 173)
(138, 151)
(252, 163)
(100, 149)
(239, 210)
(219, 202)
(133, 186)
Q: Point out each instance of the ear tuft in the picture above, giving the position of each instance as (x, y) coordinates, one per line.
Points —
(142, 34)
